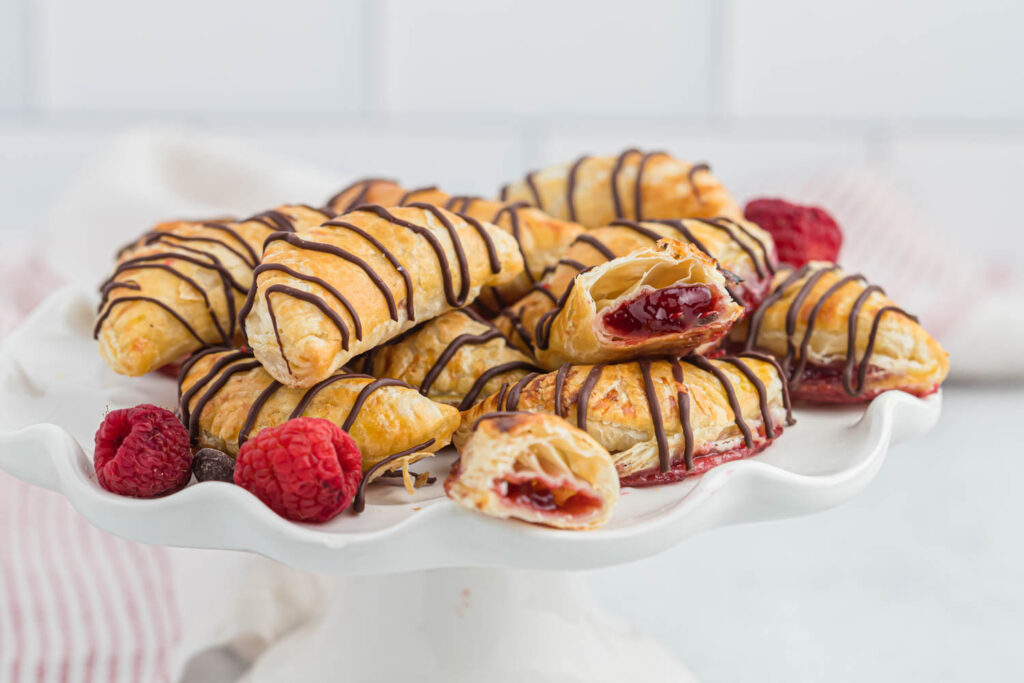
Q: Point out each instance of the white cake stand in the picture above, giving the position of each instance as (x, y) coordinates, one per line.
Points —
(479, 599)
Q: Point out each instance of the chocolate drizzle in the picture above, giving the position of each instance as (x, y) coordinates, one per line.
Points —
(359, 501)
(219, 234)
(694, 170)
(364, 185)
(570, 186)
(508, 399)
(236, 361)
(798, 352)
(456, 299)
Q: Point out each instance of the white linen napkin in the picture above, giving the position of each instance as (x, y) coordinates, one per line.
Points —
(228, 607)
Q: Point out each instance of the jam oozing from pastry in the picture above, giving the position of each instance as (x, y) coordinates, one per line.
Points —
(536, 494)
(665, 311)
(853, 375)
(454, 299)
(508, 400)
(366, 361)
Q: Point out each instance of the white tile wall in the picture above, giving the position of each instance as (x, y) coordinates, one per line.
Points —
(463, 162)
(877, 59)
(12, 53)
(538, 57)
(197, 55)
(470, 94)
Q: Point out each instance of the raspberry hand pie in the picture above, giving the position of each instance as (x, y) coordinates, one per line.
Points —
(816, 315)
(542, 239)
(457, 358)
(333, 292)
(662, 420)
(537, 468)
(225, 397)
(178, 287)
(594, 191)
(667, 299)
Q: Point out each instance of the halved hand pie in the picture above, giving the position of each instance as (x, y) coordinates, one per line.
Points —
(667, 299)
(594, 191)
(178, 287)
(333, 292)
(537, 468)
(457, 358)
(662, 420)
(225, 397)
(840, 339)
(542, 239)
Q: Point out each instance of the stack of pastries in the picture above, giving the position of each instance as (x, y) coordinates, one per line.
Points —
(614, 321)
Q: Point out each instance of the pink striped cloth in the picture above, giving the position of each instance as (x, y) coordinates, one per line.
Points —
(77, 604)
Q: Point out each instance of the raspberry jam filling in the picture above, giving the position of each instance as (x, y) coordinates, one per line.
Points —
(537, 495)
(674, 309)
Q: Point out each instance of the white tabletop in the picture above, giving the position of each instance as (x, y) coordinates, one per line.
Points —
(916, 579)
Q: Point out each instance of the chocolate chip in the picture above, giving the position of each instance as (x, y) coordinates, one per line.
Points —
(209, 464)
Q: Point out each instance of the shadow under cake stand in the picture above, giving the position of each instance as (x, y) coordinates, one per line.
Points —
(479, 599)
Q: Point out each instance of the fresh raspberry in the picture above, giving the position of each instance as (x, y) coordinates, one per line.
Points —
(801, 233)
(142, 452)
(307, 469)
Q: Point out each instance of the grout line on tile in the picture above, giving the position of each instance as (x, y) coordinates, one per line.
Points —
(370, 73)
(719, 59)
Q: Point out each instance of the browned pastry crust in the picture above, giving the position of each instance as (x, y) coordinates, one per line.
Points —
(595, 191)
(338, 290)
(741, 248)
(816, 314)
(542, 239)
(576, 327)
(662, 420)
(537, 468)
(178, 287)
(457, 358)
(225, 397)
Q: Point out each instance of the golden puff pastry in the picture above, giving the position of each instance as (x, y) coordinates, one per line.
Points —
(542, 239)
(333, 292)
(670, 298)
(594, 191)
(537, 468)
(225, 397)
(817, 314)
(456, 358)
(383, 192)
(178, 287)
(662, 420)
(742, 248)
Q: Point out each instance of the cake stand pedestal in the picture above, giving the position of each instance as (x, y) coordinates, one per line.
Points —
(463, 626)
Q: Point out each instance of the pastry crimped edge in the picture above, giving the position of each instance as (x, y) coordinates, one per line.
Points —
(215, 404)
(903, 355)
(595, 191)
(618, 412)
(457, 358)
(313, 343)
(527, 447)
(217, 255)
